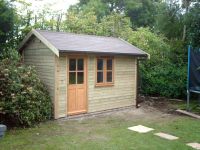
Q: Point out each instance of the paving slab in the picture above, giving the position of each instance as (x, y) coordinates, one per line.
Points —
(194, 145)
(140, 129)
(166, 136)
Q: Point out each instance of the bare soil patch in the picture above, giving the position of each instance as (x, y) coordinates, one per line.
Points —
(160, 103)
(151, 109)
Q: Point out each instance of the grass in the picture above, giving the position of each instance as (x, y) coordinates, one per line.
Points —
(193, 107)
(104, 132)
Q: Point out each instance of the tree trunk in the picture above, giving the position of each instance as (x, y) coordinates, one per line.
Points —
(59, 19)
(184, 33)
(187, 4)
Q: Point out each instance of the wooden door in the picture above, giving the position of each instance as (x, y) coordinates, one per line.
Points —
(77, 88)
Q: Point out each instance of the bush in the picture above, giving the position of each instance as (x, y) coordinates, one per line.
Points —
(11, 54)
(24, 100)
(167, 80)
(165, 73)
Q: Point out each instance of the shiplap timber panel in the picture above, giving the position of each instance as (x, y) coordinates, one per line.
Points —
(40, 56)
(62, 100)
(122, 94)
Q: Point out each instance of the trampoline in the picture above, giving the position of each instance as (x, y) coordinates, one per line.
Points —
(193, 79)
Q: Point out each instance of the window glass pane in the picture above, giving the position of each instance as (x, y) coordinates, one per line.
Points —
(80, 78)
(99, 64)
(72, 64)
(80, 64)
(72, 78)
(99, 77)
(109, 64)
(109, 76)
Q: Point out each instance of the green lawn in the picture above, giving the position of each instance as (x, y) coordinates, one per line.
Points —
(106, 132)
(193, 107)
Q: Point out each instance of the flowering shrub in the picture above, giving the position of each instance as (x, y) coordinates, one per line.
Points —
(24, 100)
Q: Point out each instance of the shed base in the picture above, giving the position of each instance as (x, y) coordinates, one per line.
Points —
(98, 113)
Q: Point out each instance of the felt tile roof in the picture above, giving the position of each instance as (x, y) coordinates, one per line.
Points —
(70, 42)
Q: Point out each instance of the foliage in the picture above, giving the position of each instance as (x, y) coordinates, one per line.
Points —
(6, 22)
(193, 22)
(115, 25)
(142, 13)
(101, 9)
(159, 75)
(10, 54)
(161, 28)
(167, 80)
(169, 20)
(151, 43)
(178, 54)
(24, 99)
(81, 22)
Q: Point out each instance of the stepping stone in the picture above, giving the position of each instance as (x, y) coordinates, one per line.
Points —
(194, 145)
(140, 129)
(166, 136)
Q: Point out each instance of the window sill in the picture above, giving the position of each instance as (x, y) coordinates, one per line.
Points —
(104, 84)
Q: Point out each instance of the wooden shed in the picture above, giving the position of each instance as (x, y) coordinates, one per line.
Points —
(83, 73)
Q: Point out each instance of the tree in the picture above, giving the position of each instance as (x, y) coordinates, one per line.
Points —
(193, 24)
(100, 8)
(169, 20)
(141, 12)
(6, 22)
(115, 5)
(185, 5)
(153, 44)
(115, 25)
(26, 19)
(80, 22)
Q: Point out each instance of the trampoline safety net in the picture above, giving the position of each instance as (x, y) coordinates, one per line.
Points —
(194, 70)
(193, 84)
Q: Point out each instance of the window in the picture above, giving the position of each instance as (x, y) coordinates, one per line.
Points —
(76, 71)
(104, 68)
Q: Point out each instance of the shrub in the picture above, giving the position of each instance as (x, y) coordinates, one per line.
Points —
(165, 73)
(167, 80)
(11, 54)
(24, 100)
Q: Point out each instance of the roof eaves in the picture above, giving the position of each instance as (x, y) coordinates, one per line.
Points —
(108, 53)
(148, 55)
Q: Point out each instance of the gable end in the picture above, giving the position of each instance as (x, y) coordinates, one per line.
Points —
(41, 38)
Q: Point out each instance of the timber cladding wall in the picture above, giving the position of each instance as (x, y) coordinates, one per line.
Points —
(62, 86)
(38, 55)
(122, 93)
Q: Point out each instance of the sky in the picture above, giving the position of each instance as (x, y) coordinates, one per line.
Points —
(56, 5)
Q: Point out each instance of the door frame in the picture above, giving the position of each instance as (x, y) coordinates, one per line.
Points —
(85, 57)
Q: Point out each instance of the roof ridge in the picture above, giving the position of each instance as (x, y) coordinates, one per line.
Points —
(80, 34)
